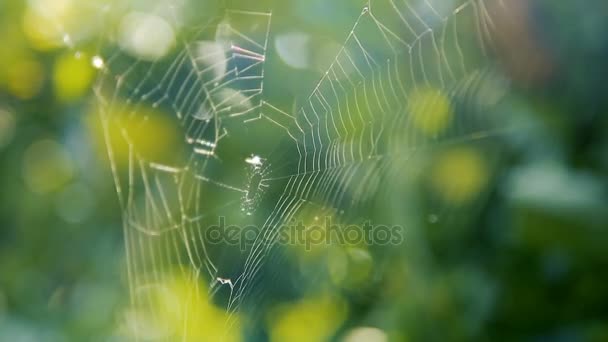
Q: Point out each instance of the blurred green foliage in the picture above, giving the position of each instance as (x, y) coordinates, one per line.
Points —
(525, 260)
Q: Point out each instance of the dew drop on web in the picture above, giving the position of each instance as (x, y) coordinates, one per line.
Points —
(97, 62)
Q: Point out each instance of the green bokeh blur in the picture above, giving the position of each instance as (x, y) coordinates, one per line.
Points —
(525, 260)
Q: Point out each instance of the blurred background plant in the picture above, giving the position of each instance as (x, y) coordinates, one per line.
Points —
(527, 262)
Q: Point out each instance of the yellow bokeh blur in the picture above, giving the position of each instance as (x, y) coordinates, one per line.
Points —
(25, 78)
(179, 308)
(51, 24)
(430, 110)
(72, 76)
(315, 318)
(42, 32)
(152, 134)
(459, 175)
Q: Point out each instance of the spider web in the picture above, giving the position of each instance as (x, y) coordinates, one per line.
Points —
(241, 154)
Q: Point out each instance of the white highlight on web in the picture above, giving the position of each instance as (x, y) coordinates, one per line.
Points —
(254, 160)
(97, 62)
